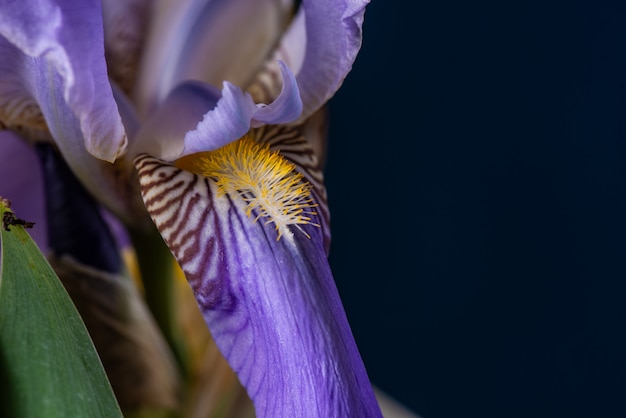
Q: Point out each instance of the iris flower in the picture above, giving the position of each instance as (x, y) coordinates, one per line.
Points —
(204, 115)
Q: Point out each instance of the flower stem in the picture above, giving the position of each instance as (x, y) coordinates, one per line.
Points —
(156, 266)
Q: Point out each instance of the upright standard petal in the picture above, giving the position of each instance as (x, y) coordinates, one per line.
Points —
(331, 41)
(266, 84)
(58, 55)
(271, 304)
(210, 41)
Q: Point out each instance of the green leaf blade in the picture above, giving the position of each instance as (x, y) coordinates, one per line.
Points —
(48, 364)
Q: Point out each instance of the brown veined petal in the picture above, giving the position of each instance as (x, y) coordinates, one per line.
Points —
(270, 302)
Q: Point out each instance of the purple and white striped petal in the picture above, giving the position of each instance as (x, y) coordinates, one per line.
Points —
(271, 305)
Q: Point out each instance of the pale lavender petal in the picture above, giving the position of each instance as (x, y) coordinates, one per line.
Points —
(271, 305)
(207, 40)
(163, 133)
(52, 65)
(21, 181)
(287, 107)
(332, 41)
(236, 112)
(55, 50)
(229, 120)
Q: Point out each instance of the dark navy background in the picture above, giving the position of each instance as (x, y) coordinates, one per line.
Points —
(477, 182)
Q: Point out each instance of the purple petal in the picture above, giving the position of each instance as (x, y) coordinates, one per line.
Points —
(164, 132)
(20, 100)
(55, 51)
(21, 181)
(210, 41)
(52, 65)
(229, 120)
(271, 305)
(236, 112)
(333, 39)
(287, 107)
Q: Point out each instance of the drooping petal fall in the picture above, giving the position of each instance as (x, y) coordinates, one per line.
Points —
(266, 293)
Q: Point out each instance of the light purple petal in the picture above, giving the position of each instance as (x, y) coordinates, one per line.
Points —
(287, 107)
(229, 120)
(55, 50)
(271, 305)
(163, 133)
(52, 64)
(207, 40)
(21, 181)
(21, 96)
(333, 39)
(236, 112)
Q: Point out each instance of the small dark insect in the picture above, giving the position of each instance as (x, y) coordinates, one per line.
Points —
(9, 219)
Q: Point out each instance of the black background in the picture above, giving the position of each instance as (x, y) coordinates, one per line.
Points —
(477, 183)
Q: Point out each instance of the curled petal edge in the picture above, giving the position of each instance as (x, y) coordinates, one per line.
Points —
(236, 112)
(332, 40)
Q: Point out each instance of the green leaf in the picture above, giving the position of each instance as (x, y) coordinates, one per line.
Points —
(48, 364)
